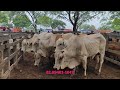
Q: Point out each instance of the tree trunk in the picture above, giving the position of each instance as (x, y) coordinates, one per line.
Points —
(35, 28)
(35, 25)
(74, 28)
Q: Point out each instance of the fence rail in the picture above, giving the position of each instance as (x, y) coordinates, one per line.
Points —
(10, 58)
(113, 53)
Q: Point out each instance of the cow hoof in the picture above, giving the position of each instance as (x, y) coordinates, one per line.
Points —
(35, 65)
(99, 73)
(96, 72)
(85, 77)
(72, 76)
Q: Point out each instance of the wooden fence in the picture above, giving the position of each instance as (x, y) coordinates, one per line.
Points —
(10, 57)
(111, 54)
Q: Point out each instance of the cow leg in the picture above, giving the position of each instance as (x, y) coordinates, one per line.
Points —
(101, 62)
(97, 63)
(74, 69)
(23, 55)
(37, 58)
(84, 61)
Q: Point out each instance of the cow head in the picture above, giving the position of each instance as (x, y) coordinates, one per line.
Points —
(25, 45)
(58, 59)
(69, 62)
(38, 56)
(34, 45)
(62, 60)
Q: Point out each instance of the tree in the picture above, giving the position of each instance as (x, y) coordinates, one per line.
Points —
(21, 21)
(34, 17)
(116, 24)
(112, 22)
(48, 21)
(57, 23)
(11, 14)
(3, 17)
(76, 18)
(105, 25)
(87, 26)
(44, 20)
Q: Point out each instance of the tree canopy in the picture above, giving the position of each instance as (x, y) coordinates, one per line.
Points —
(3, 17)
(21, 21)
(57, 23)
(87, 26)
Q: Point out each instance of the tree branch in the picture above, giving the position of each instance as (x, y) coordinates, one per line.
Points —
(76, 18)
(31, 16)
(68, 12)
(64, 17)
(83, 14)
(84, 20)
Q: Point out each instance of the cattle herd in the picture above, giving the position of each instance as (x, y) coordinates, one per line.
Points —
(68, 50)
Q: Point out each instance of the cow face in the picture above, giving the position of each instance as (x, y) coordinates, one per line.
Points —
(58, 59)
(60, 44)
(34, 45)
(25, 45)
(38, 56)
(69, 62)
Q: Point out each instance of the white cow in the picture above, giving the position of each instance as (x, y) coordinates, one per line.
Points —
(78, 49)
(45, 46)
(60, 45)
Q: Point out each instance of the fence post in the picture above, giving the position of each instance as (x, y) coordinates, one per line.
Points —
(5, 54)
(16, 56)
(1, 59)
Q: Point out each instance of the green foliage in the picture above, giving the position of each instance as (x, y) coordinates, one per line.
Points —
(48, 21)
(57, 23)
(113, 22)
(12, 14)
(88, 27)
(105, 25)
(3, 18)
(45, 21)
(77, 18)
(116, 24)
(34, 17)
(21, 21)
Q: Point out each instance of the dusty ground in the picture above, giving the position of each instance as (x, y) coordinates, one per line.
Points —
(26, 70)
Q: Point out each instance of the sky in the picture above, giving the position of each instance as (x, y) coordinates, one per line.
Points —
(95, 22)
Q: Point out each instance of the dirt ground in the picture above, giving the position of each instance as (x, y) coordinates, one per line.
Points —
(27, 70)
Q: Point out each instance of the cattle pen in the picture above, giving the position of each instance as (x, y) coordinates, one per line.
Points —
(113, 47)
(9, 58)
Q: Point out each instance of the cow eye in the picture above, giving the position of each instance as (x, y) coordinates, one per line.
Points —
(30, 44)
(36, 43)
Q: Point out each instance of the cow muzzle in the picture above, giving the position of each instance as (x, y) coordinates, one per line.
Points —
(32, 51)
(35, 65)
